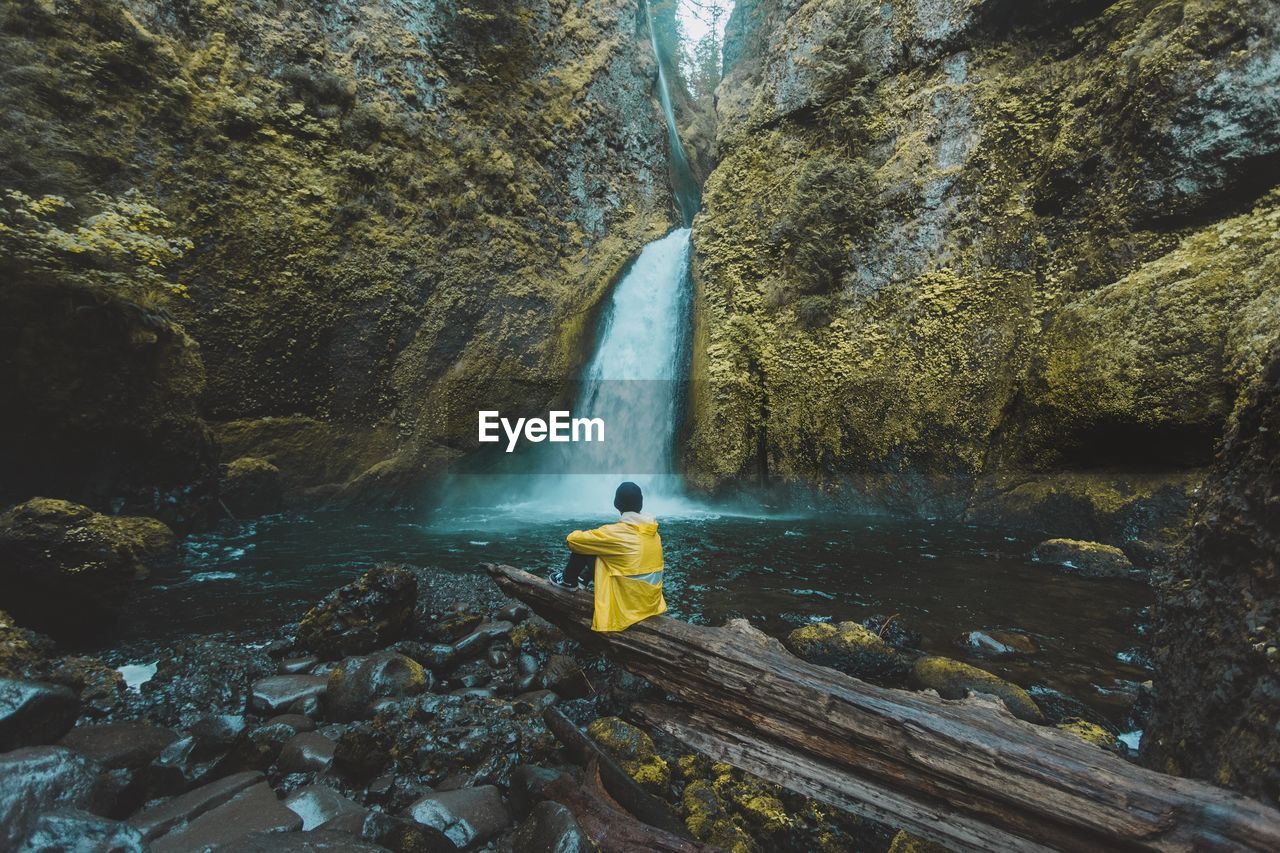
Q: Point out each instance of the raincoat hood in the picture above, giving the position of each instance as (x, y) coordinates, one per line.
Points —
(647, 523)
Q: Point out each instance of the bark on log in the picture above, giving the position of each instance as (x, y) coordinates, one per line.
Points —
(964, 773)
(620, 786)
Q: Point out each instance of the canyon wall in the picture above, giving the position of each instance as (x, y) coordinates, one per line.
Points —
(987, 260)
(323, 229)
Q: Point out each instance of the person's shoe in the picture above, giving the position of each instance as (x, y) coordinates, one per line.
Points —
(558, 577)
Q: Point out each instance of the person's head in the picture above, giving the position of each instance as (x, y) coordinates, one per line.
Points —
(628, 498)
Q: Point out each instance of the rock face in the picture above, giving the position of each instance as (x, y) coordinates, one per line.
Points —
(66, 569)
(972, 260)
(1217, 654)
(367, 614)
(345, 226)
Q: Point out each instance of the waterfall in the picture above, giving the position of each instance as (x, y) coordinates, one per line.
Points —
(634, 380)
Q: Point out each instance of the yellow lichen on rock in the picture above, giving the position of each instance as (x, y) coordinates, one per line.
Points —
(634, 750)
(953, 679)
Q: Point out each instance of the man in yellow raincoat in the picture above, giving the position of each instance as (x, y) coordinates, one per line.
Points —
(626, 558)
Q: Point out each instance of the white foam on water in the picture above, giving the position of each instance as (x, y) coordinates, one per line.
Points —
(137, 674)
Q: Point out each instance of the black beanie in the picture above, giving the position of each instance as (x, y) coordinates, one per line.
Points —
(628, 498)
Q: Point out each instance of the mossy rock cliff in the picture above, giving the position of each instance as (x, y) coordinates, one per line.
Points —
(1040, 265)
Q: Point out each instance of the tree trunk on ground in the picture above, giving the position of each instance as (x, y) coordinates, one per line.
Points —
(963, 773)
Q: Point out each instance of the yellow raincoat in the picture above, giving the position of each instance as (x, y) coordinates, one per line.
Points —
(628, 570)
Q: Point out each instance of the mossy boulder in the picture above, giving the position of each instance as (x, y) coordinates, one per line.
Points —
(250, 487)
(905, 842)
(955, 680)
(633, 749)
(709, 820)
(358, 683)
(1091, 733)
(20, 649)
(1091, 559)
(367, 614)
(848, 647)
(66, 569)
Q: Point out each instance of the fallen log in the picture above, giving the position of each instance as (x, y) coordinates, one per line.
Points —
(621, 787)
(964, 773)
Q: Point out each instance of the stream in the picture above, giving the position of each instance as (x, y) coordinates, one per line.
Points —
(943, 580)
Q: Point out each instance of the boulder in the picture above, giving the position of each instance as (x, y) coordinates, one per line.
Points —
(564, 675)
(34, 713)
(20, 649)
(366, 615)
(216, 733)
(356, 685)
(633, 749)
(320, 805)
(848, 647)
(275, 693)
(66, 569)
(955, 680)
(528, 784)
(131, 744)
(69, 829)
(320, 841)
(476, 643)
(449, 629)
(251, 486)
(539, 700)
(550, 827)
(1091, 559)
(306, 752)
(185, 808)
(254, 749)
(996, 644)
(39, 779)
(253, 809)
(466, 817)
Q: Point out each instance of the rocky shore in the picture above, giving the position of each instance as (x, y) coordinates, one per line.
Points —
(412, 711)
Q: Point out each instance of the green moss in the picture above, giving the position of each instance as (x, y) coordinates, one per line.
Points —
(17, 650)
(634, 750)
(848, 647)
(1091, 733)
(954, 680)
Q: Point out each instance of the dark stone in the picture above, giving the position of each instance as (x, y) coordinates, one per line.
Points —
(497, 656)
(174, 770)
(307, 752)
(322, 841)
(996, 644)
(368, 614)
(250, 487)
(296, 666)
(356, 685)
(474, 692)
(187, 807)
(527, 664)
(253, 809)
(361, 752)
(131, 744)
(477, 642)
(254, 749)
(66, 570)
(564, 675)
(433, 656)
(452, 628)
(466, 817)
(319, 806)
(404, 835)
(298, 722)
(75, 830)
(515, 613)
(38, 779)
(539, 700)
(893, 631)
(33, 713)
(550, 827)
(1140, 712)
(528, 782)
(215, 735)
(274, 694)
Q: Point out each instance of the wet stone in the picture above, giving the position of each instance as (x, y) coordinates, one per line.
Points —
(355, 686)
(276, 693)
(550, 826)
(515, 613)
(320, 805)
(33, 713)
(308, 752)
(75, 830)
(187, 807)
(298, 722)
(539, 700)
(253, 809)
(215, 734)
(368, 614)
(297, 665)
(38, 779)
(320, 841)
(998, 643)
(466, 817)
(130, 744)
(528, 783)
